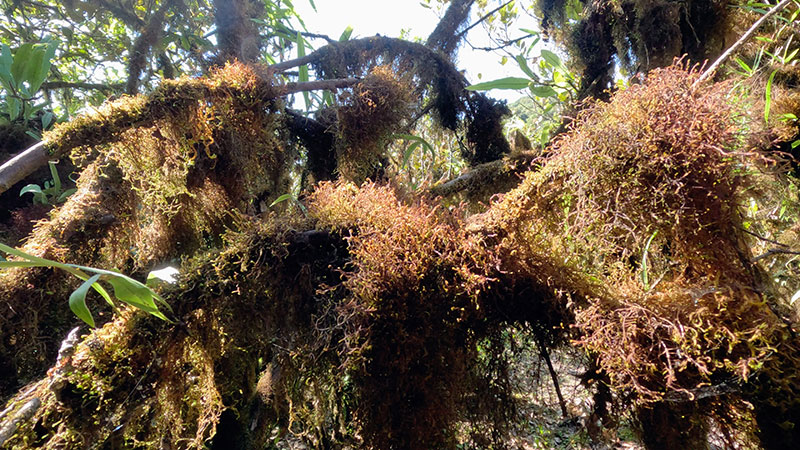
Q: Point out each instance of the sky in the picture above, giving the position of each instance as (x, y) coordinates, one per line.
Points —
(389, 17)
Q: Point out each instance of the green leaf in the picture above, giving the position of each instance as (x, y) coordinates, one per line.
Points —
(645, 275)
(303, 69)
(66, 194)
(744, 66)
(21, 61)
(13, 108)
(514, 83)
(788, 59)
(552, 59)
(42, 69)
(77, 300)
(543, 91)
(346, 34)
(313, 6)
(47, 119)
(282, 198)
(768, 96)
(135, 294)
(523, 64)
(408, 152)
(32, 188)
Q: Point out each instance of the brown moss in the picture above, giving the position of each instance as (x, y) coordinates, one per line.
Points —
(416, 281)
(376, 107)
(164, 176)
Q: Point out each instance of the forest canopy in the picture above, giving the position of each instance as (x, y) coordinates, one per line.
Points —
(220, 229)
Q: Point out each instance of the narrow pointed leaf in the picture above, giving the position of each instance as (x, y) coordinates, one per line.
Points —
(77, 301)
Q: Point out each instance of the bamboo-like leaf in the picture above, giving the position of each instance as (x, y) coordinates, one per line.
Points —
(77, 301)
(645, 274)
(302, 71)
(514, 83)
(282, 198)
(345, 36)
(768, 96)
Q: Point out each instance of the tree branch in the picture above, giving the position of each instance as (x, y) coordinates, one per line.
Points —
(485, 173)
(713, 67)
(485, 16)
(445, 37)
(141, 47)
(117, 87)
(145, 114)
(22, 165)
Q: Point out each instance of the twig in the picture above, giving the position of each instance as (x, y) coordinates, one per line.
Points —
(25, 413)
(485, 16)
(713, 67)
(774, 251)
(771, 241)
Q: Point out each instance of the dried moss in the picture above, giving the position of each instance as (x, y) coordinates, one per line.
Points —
(374, 109)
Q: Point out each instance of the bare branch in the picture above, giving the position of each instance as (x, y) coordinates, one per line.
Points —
(22, 165)
(713, 67)
(336, 83)
(485, 16)
(117, 87)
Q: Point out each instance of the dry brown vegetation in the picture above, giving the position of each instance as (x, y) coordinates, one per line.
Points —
(379, 318)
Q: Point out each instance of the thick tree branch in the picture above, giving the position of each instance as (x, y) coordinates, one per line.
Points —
(237, 35)
(445, 37)
(141, 47)
(486, 173)
(145, 114)
(713, 67)
(117, 87)
(22, 165)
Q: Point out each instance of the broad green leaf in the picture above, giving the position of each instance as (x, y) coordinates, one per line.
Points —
(32, 188)
(135, 294)
(21, 61)
(43, 68)
(543, 91)
(408, 152)
(77, 301)
(13, 108)
(552, 58)
(514, 83)
(346, 34)
(47, 119)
